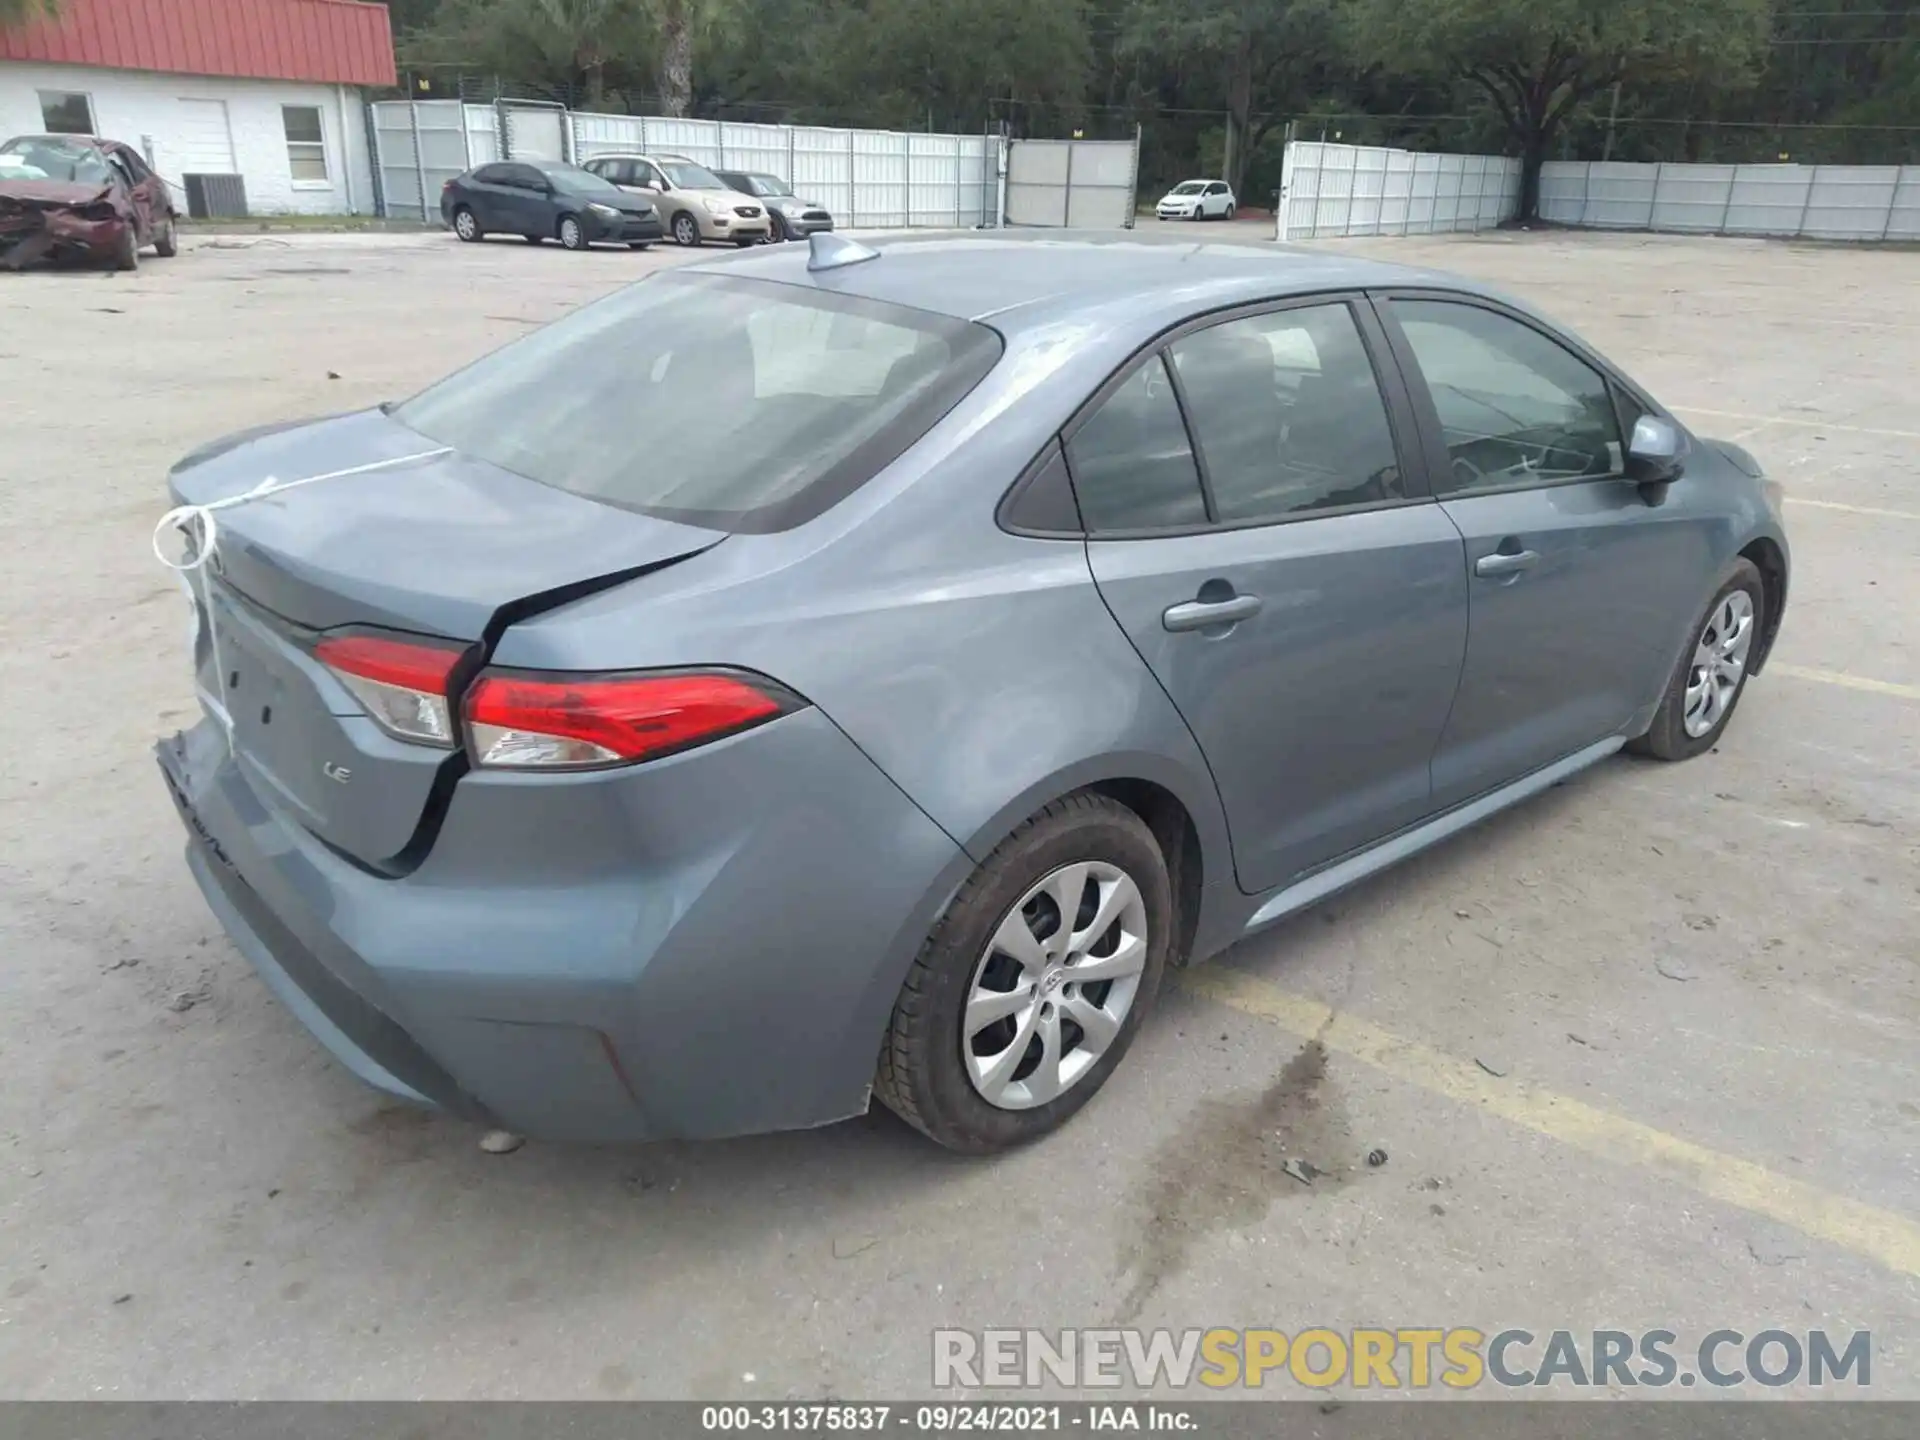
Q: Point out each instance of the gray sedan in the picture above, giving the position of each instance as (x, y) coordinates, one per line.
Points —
(983, 627)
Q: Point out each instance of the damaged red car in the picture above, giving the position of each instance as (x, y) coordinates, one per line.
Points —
(75, 197)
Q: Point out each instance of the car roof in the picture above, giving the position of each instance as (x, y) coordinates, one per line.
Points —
(1022, 278)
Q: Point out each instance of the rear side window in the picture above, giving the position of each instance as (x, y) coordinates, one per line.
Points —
(735, 404)
(1132, 466)
(1287, 414)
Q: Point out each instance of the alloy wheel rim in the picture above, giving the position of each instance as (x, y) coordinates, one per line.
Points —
(1719, 664)
(570, 234)
(683, 231)
(1053, 988)
(463, 222)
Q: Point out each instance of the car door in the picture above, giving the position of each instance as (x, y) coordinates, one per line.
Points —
(534, 209)
(487, 194)
(149, 192)
(1575, 575)
(1259, 526)
(139, 198)
(1216, 200)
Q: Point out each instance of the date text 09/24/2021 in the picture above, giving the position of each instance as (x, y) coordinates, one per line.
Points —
(946, 1418)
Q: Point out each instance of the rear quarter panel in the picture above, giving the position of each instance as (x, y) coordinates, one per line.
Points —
(979, 670)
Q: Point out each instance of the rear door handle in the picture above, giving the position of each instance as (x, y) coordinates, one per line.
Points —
(1205, 614)
(1501, 563)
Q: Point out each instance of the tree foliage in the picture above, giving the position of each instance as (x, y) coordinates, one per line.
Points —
(1536, 61)
(1212, 83)
(14, 13)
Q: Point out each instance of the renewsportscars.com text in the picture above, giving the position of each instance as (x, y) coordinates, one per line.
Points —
(1413, 1358)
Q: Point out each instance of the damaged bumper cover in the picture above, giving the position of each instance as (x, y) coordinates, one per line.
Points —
(35, 224)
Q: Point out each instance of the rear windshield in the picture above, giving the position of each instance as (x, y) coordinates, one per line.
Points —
(734, 404)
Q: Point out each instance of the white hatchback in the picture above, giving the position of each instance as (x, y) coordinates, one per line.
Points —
(1196, 200)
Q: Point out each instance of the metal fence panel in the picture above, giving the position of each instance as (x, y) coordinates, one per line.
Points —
(1830, 202)
(1328, 189)
(1903, 215)
(1038, 174)
(865, 177)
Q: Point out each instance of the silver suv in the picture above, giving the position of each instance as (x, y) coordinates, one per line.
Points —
(694, 203)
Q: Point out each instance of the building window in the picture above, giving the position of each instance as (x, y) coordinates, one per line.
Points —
(306, 143)
(66, 112)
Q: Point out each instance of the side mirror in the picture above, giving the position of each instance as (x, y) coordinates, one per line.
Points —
(1657, 453)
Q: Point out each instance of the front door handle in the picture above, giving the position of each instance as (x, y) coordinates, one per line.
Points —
(1205, 614)
(1502, 563)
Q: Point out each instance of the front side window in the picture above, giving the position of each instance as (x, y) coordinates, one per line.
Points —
(66, 112)
(1132, 466)
(741, 405)
(1287, 414)
(306, 143)
(1516, 408)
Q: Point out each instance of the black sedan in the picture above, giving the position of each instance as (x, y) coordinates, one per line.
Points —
(542, 200)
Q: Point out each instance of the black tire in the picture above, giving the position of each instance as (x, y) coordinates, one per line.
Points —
(639, 244)
(126, 251)
(777, 232)
(921, 1075)
(166, 240)
(685, 230)
(744, 242)
(572, 234)
(534, 239)
(1229, 214)
(1667, 737)
(466, 224)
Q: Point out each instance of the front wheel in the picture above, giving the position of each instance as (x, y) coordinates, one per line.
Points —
(1703, 692)
(777, 231)
(1033, 984)
(686, 230)
(467, 225)
(572, 235)
(1229, 213)
(126, 250)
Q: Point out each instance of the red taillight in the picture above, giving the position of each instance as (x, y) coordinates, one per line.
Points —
(403, 683)
(525, 720)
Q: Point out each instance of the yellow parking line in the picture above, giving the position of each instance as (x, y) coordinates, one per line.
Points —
(1795, 420)
(1881, 1235)
(1851, 682)
(1856, 509)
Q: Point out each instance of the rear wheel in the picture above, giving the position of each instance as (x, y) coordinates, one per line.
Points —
(533, 239)
(638, 244)
(572, 235)
(467, 225)
(686, 230)
(1703, 692)
(1033, 984)
(166, 240)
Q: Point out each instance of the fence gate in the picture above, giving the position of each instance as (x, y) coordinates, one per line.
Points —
(534, 131)
(1083, 184)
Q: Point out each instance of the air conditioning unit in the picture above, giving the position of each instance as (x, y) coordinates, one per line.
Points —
(216, 197)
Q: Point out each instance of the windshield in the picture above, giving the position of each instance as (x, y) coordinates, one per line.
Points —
(765, 185)
(689, 176)
(582, 182)
(46, 158)
(730, 403)
(1188, 187)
